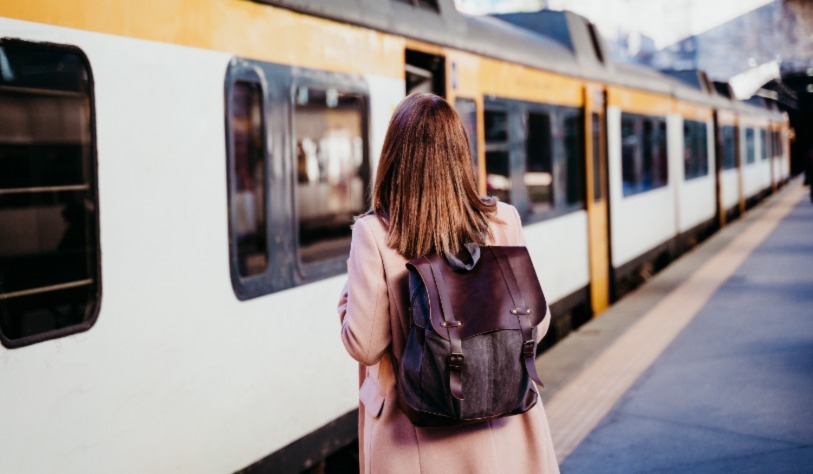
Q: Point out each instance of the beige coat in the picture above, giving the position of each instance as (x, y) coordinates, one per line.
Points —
(374, 314)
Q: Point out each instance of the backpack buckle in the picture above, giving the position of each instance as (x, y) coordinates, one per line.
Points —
(529, 348)
(456, 361)
(450, 324)
(521, 311)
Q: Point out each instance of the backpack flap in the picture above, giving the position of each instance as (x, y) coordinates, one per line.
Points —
(482, 291)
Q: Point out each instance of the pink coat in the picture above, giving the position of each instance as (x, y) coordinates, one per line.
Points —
(374, 314)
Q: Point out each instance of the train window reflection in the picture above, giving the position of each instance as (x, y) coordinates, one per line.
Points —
(643, 153)
(249, 182)
(498, 163)
(729, 143)
(574, 156)
(763, 144)
(49, 250)
(750, 150)
(539, 162)
(331, 167)
(695, 149)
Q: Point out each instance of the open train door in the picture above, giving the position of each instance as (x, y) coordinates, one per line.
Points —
(597, 197)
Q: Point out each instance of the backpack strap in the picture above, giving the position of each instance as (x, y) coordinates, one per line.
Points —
(455, 359)
(521, 311)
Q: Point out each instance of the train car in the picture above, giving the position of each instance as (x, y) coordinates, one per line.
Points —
(177, 184)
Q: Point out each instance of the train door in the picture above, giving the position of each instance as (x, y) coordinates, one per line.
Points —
(425, 72)
(597, 196)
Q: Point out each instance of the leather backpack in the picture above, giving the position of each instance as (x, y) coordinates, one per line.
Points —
(469, 354)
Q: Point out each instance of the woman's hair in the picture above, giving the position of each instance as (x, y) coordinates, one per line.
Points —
(425, 188)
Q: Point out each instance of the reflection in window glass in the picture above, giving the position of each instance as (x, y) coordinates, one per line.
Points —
(496, 126)
(249, 192)
(596, 137)
(750, 147)
(467, 110)
(539, 162)
(49, 275)
(498, 163)
(574, 157)
(643, 153)
(695, 146)
(729, 143)
(763, 144)
(498, 171)
(331, 167)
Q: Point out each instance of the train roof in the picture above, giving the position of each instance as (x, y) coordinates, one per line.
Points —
(439, 22)
(556, 41)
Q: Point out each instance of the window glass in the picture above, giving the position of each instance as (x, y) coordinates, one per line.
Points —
(643, 153)
(332, 169)
(467, 110)
(498, 163)
(574, 156)
(596, 137)
(729, 143)
(49, 268)
(539, 162)
(249, 192)
(763, 144)
(750, 150)
(630, 152)
(695, 149)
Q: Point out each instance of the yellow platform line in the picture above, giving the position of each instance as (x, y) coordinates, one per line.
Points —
(579, 406)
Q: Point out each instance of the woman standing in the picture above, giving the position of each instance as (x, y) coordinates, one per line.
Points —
(425, 200)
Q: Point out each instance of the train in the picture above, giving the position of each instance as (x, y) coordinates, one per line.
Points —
(178, 180)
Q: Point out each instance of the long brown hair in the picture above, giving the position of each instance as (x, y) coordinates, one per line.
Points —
(425, 188)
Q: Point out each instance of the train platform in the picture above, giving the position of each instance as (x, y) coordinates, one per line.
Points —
(707, 367)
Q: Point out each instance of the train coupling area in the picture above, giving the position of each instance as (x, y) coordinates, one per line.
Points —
(707, 367)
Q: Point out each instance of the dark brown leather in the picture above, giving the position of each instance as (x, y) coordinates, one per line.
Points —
(472, 293)
(456, 358)
(520, 310)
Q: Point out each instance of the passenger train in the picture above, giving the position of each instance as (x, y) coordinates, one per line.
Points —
(177, 182)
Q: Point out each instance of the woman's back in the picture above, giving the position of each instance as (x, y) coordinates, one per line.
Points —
(374, 306)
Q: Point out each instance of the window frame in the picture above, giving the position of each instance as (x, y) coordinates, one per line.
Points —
(93, 193)
(246, 287)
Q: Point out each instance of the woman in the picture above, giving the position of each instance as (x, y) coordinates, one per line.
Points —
(424, 201)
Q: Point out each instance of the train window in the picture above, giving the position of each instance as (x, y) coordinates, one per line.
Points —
(574, 155)
(49, 246)
(750, 147)
(643, 153)
(695, 150)
(498, 163)
(596, 158)
(467, 110)
(763, 144)
(248, 181)
(332, 169)
(538, 176)
(729, 134)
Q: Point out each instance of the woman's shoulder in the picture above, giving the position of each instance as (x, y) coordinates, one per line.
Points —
(507, 228)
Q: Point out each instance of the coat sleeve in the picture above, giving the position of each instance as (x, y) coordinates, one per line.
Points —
(364, 305)
(519, 234)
